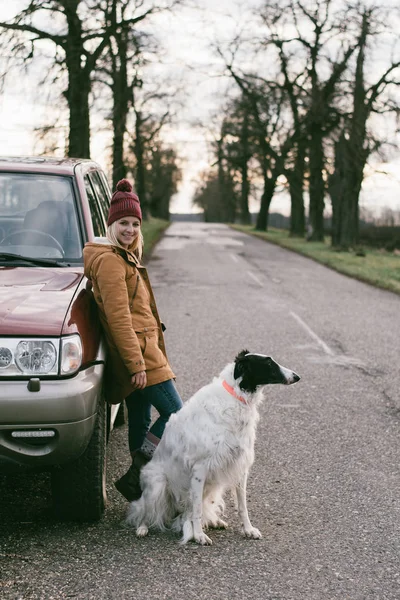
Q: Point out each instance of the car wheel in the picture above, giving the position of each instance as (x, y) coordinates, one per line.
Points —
(79, 488)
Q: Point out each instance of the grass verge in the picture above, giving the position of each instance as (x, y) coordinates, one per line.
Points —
(377, 267)
(152, 230)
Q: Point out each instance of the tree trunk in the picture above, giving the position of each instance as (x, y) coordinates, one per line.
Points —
(224, 212)
(266, 199)
(140, 166)
(296, 188)
(317, 186)
(120, 91)
(119, 169)
(245, 218)
(245, 188)
(230, 199)
(335, 186)
(79, 86)
(161, 190)
(349, 232)
(354, 154)
(79, 121)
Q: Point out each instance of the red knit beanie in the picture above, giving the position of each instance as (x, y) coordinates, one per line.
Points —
(124, 203)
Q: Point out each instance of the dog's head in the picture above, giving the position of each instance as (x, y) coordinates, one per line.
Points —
(257, 370)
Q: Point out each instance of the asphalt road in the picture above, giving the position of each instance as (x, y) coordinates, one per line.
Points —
(324, 489)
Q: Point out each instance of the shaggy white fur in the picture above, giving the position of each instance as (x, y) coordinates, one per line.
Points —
(207, 448)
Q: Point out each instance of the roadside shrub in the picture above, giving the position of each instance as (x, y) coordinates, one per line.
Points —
(380, 237)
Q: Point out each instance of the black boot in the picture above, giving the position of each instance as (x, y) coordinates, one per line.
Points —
(129, 484)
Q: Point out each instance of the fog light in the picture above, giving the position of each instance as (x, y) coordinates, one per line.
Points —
(34, 433)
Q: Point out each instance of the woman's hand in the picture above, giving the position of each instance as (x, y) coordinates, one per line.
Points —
(139, 380)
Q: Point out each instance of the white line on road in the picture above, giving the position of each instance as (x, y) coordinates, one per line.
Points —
(255, 278)
(315, 337)
(234, 257)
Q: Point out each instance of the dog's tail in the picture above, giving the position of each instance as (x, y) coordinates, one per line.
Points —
(155, 508)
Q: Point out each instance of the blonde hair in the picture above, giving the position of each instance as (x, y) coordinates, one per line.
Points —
(137, 245)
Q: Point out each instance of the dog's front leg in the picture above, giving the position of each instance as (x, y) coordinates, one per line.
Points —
(192, 528)
(248, 530)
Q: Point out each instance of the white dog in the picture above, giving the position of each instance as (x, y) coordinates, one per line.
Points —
(207, 448)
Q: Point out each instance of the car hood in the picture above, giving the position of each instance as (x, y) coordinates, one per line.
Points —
(35, 301)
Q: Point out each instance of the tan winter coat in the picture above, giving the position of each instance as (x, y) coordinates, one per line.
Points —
(129, 317)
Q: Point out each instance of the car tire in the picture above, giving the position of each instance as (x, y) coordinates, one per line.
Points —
(79, 488)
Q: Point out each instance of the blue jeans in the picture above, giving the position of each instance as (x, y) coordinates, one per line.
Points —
(165, 399)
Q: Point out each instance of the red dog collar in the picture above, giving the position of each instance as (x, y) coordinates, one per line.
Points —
(230, 389)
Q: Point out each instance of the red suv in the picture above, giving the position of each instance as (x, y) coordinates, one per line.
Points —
(53, 413)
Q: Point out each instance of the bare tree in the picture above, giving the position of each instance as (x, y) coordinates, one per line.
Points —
(311, 51)
(236, 146)
(78, 30)
(296, 164)
(128, 52)
(84, 29)
(266, 103)
(151, 111)
(356, 143)
(211, 195)
(164, 174)
(226, 187)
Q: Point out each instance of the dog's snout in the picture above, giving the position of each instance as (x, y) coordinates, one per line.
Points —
(292, 377)
(289, 376)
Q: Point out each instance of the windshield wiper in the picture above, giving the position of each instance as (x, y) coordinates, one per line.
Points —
(40, 262)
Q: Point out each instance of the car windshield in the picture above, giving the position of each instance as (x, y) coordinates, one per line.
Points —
(38, 217)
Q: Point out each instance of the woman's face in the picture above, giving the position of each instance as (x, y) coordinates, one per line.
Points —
(127, 230)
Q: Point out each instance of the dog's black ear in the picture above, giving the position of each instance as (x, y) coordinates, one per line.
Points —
(240, 364)
(241, 354)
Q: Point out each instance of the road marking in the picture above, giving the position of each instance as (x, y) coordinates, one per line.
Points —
(234, 257)
(315, 337)
(255, 278)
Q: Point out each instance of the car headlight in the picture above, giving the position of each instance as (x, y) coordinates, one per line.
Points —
(53, 357)
(35, 357)
(71, 354)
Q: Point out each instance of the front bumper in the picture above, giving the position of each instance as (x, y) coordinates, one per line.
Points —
(64, 408)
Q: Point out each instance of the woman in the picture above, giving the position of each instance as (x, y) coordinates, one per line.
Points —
(137, 367)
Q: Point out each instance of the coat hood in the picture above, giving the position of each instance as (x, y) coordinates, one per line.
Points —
(91, 251)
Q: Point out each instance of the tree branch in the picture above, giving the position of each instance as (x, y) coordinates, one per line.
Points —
(374, 89)
(44, 35)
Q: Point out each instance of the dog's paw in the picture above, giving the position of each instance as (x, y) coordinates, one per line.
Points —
(252, 533)
(142, 531)
(203, 539)
(217, 524)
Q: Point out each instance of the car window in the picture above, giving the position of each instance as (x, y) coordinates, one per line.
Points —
(38, 217)
(101, 193)
(104, 181)
(98, 218)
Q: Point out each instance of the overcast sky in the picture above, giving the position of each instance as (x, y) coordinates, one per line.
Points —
(188, 36)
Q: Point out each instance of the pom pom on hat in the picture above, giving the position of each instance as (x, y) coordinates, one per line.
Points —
(124, 203)
(124, 185)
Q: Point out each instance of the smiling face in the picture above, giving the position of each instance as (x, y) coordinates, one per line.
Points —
(126, 230)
